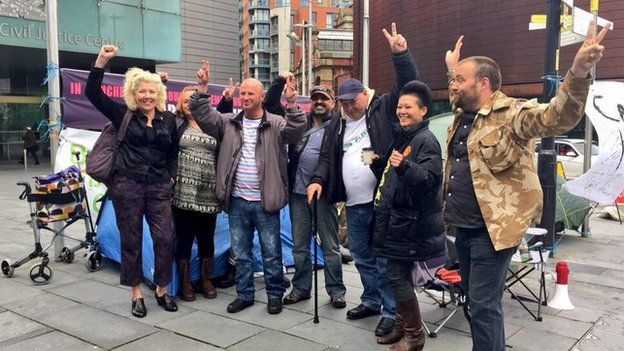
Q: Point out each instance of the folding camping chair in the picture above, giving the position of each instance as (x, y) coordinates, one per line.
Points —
(519, 270)
(439, 279)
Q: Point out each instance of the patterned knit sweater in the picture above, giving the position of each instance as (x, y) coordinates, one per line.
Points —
(196, 178)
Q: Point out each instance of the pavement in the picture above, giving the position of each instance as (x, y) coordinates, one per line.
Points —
(80, 310)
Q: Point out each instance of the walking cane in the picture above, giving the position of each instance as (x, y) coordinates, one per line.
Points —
(315, 236)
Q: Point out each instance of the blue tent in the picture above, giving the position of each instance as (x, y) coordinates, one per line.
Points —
(108, 238)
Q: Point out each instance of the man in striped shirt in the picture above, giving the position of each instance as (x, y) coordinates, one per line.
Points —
(252, 183)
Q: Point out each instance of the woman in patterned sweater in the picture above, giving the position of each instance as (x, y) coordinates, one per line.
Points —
(195, 205)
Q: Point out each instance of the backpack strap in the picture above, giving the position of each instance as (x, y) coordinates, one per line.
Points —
(121, 133)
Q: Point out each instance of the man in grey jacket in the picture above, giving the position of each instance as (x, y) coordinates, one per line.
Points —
(252, 182)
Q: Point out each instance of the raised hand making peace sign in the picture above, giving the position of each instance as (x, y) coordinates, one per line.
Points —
(397, 41)
(228, 92)
(590, 52)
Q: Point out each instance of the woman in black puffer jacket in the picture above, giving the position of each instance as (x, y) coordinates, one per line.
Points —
(408, 212)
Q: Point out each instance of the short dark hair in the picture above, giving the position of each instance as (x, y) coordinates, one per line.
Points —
(420, 90)
(485, 67)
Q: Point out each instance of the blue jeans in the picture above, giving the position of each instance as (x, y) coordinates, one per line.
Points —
(244, 217)
(377, 292)
(301, 222)
(483, 271)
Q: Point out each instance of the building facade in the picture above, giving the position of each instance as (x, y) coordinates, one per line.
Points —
(171, 35)
(209, 30)
(495, 29)
(276, 44)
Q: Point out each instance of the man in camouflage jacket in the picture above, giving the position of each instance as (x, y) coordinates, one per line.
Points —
(491, 186)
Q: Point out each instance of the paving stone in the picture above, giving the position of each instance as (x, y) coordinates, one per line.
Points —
(52, 341)
(599, 280)
(582, 314)
(339, 315)
(271, 340)
(344, 336)
(531, 339)
(11, 290)
(258, 315)
(41, 305)
(93, 293)
(604, 339)
(449, 341)
(211, 328)
(14, 327)
(554, 324)
(101, 328)
(166, 341)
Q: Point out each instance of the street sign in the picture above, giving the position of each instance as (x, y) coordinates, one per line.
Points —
(581, 20)
(573, 26)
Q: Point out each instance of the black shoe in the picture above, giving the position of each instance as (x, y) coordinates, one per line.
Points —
(238, 305)
(384, 326)
(167, 302)
(138, 308)
(338, 301)
(293, 297)
(361, 311)
(274, 306)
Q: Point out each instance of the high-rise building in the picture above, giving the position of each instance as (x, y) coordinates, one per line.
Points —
(255, 40)
(268, 45)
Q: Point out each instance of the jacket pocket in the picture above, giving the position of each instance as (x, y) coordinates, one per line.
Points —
(401, 227)
(499, 149)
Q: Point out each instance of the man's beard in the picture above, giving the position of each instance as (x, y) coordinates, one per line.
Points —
(322, 111)
(465, 102)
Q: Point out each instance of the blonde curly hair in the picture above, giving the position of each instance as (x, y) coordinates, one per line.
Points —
(135, 76)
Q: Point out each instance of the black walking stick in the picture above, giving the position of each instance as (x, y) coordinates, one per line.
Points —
(315, 236)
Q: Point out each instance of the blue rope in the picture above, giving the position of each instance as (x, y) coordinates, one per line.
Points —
(47, 127)
(553, 82)
(52, 71)
(46, 98)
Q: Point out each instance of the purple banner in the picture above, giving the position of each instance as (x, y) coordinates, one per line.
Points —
(79, 113)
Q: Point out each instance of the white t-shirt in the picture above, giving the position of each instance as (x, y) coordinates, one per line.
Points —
(358, 178)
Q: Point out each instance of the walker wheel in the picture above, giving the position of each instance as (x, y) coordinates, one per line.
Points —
(94, 261)
(40, 274)
(67, 255)
(7, 268)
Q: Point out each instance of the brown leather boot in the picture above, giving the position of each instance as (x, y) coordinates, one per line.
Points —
(185, 292)
(413, 331)
(208, 290)
(396, 334)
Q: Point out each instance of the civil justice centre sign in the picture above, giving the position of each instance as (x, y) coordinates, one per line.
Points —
(140, 29)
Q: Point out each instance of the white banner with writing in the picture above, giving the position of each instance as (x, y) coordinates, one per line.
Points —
(79, 140)
(604, 181)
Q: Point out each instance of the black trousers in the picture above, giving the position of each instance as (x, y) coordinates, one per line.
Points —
(400, 278)
(132, 200)
(190, 225)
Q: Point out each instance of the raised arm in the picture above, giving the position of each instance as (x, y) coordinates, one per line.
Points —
(272, 98)
(295, 121)
(452, 59)
(210, 121)
(568, 105)
(112, 110)
(405, 69)
(226, 104)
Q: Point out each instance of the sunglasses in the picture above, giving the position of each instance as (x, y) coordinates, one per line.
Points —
(322, 89)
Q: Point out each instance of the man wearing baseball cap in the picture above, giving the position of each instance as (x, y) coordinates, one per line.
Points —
(302, 161)
(363, 132)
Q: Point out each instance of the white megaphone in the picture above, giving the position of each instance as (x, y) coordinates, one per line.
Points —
(560, 299)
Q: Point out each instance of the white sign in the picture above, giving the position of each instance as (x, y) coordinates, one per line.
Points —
(72, 140)
(581, 21)
(605, 180)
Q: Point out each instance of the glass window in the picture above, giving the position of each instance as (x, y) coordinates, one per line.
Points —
(304, 3)
(314, 18)
(329, 20)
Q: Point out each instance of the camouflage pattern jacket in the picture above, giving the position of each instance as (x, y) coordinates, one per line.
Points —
(501, 149)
